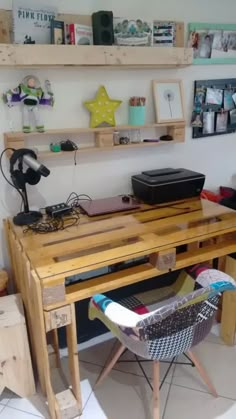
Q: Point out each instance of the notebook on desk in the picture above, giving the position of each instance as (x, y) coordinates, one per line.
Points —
(108, 205)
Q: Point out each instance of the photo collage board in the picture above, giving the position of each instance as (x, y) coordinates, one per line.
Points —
(212, 43)
(214, 109)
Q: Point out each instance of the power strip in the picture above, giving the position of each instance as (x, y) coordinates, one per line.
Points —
(58, 210)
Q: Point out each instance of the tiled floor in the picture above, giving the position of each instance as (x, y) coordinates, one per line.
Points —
(125, 394)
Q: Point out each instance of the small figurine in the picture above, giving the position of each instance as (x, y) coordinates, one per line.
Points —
(31, 95)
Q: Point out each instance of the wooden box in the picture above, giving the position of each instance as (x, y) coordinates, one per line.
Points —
(104, 139)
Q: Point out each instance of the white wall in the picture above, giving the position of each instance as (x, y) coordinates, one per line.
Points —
(108, 173)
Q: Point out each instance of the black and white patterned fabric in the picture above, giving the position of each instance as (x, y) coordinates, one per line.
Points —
(176, 325)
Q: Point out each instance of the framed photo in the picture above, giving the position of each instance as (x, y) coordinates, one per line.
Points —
(169, 101)
(213, 43)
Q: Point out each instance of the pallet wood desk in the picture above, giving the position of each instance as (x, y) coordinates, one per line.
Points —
(40, 264)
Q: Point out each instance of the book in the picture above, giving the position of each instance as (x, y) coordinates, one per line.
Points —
(72, 33)
(132, 32)
(81, 34)
(5, 37)
(32, 22)
(67, 33)
(164, 34)
(57, 32)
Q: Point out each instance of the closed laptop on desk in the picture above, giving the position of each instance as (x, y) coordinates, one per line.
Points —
(166, 185)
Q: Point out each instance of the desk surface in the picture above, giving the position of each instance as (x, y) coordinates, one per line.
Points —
(102, 241)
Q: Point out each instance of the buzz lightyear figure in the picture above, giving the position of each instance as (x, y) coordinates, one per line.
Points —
(31, 95)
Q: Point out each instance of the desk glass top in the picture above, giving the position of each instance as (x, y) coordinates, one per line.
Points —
(102, 241)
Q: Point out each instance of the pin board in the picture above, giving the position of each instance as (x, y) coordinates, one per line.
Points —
(214, 107)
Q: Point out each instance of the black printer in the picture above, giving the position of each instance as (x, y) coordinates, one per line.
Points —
(166, 185)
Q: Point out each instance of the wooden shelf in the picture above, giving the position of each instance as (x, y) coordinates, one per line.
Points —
(83, 150)
(18, 140)
(93, 56)
(66, 131)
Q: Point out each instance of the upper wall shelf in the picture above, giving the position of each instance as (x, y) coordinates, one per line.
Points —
(93, 56)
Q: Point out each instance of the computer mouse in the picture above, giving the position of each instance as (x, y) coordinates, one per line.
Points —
(126, 198)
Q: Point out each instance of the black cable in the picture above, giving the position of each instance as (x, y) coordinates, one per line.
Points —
(74, 198)
(69, 197)
(7, 180)
(50, 224)
(43, 227)
(75, 157)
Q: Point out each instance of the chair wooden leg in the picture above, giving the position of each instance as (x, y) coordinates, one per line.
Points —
(111, 364)
(156, 392)
(114, 349)
(202, 373)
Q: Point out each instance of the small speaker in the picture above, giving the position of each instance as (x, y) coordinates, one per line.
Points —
(103, 28)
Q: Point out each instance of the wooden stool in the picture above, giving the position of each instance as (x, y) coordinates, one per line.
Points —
(15, 362)
(3, 283)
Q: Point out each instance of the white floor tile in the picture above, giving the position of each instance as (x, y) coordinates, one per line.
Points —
(214, 339)
(219, 362)
(5, 396)
(122, 396)
(9, 413)
(189, 404)
(97, 354)
(134, 368)
(214, 336)
(34, 405)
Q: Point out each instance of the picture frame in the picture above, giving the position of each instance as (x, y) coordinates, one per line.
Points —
(213, 43)
(169, 101)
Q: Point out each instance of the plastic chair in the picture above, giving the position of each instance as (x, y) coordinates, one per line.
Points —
(166, 322)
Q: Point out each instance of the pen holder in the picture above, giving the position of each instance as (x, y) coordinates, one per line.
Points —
(137, 115)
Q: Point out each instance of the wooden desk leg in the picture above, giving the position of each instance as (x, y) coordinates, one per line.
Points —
(68, 402)
(55, 345)
(228, 320)
(222, 259)
(40, 336)
(73, 355)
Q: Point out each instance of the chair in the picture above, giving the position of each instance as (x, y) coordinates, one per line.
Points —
(166, 322)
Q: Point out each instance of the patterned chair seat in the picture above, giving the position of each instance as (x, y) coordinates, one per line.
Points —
(165, 322)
